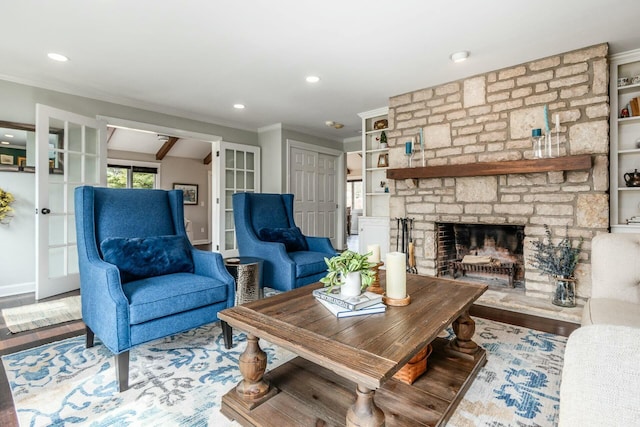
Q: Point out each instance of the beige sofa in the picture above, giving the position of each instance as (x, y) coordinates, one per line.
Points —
(615, 281)
(601, 378)
(601, 373)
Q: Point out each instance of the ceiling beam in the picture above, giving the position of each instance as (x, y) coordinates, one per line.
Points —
(166, 147)
(207, 159)
(110, 132)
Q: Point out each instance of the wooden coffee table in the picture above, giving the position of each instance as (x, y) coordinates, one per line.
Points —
(344, 373)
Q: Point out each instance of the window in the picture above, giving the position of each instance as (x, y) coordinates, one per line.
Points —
(132, 176)
(355, 199)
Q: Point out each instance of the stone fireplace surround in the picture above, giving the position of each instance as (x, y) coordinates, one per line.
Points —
(488, 118)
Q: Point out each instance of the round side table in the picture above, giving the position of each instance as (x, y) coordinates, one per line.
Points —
(246, 272)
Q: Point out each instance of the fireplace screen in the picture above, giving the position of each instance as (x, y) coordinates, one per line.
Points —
(487, 252)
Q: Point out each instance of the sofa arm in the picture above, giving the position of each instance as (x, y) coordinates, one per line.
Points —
(105, 308)
(615, 272)
(321, 244)
(211, 264)
(601, 377)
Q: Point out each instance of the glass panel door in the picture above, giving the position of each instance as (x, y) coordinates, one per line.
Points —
(70, 152)
(238, 170)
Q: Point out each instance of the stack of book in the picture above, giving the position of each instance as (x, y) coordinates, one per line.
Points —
(341, 306)
(634, 107)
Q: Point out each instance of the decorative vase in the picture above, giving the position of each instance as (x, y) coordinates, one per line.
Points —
(565, 293)
(352, 285)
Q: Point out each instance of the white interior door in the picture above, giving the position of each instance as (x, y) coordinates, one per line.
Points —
(304, 173)
(237, 169)
(327, 197)
(70, 152)
(313, 182)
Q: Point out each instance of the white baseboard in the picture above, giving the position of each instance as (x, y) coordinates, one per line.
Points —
(200, 242)
(17, 289)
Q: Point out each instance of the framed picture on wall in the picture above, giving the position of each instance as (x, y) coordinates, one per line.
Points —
(190, 192)
(6, 159)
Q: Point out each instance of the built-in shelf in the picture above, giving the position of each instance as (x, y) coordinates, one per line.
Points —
(568, 163)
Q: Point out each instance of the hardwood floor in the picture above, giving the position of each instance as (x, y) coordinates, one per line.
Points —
(11, 343)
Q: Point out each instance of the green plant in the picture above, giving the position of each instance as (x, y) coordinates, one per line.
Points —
(348, 262)
(6, 199)
(383, 138)
(556, 260)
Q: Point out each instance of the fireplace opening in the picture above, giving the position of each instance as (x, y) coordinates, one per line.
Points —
(490, 253)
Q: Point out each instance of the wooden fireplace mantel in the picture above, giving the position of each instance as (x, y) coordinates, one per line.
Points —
(567, 163)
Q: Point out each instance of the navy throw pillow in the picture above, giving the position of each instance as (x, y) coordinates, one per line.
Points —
(138, 258)
(292, 238)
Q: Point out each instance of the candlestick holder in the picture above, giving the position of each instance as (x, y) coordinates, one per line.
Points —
(394, 302)
(375, 286)
(408, 152)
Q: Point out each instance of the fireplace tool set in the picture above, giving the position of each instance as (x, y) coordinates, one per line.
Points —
(405, 227)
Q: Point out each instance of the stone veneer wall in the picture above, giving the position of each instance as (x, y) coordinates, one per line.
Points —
(489, 118)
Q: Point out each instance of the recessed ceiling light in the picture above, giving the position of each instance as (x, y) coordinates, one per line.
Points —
(5, 142)
(312, 79)
(238, 106)
(57, 57)
(459, 56)
(7, 135)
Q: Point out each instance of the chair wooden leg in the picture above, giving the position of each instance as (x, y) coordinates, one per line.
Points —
(122, 370)
(227, 334)
(90, 336)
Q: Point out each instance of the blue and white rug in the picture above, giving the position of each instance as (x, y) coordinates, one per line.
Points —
(179, 381)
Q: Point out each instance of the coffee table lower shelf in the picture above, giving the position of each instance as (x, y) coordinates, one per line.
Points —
(310, 395)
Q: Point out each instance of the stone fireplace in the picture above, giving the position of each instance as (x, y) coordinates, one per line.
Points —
(488, 119)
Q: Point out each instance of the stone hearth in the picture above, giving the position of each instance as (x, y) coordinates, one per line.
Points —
(488, 118)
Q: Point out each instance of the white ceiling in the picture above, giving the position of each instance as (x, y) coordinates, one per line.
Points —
(148, 143)
(197, 58)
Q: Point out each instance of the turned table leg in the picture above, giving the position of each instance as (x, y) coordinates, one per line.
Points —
(253, 363)
(464, 327)
(364, 412)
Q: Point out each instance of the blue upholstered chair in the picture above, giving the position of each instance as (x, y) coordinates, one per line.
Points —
(140, 278)
(265, 229)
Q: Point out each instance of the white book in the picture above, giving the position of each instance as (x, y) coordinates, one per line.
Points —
(344, 312)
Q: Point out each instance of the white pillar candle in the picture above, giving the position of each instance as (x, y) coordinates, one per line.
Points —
(396, 263)
(375, 253)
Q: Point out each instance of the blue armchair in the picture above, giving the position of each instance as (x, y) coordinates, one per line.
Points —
(265, 229)
(140, 278)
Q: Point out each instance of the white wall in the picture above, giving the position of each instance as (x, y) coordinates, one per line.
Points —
(271, 145)
(17, 239)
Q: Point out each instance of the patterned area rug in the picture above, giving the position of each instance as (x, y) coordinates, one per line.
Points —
(180, 380)
(33, 316)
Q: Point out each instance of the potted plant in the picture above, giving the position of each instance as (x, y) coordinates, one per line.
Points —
(383, 140)
(559, 262)
(350, 270)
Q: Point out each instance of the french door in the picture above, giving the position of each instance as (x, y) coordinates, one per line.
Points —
(238, 170)
(70, 152)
